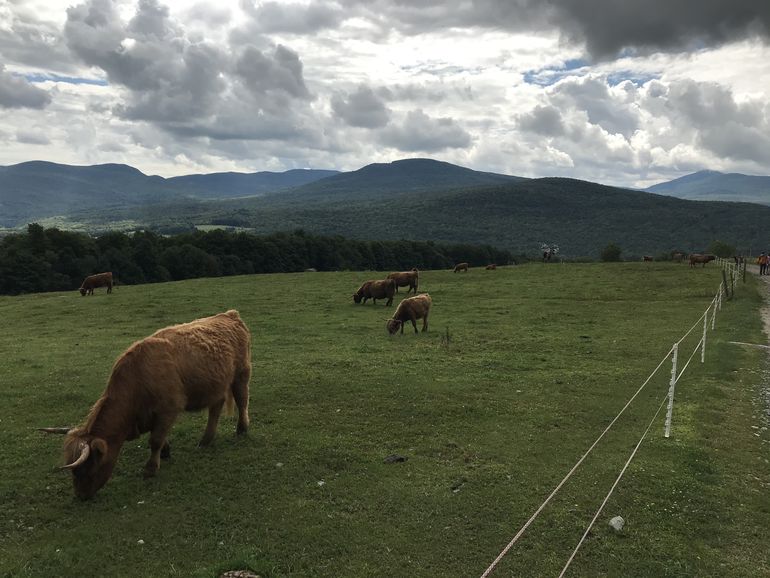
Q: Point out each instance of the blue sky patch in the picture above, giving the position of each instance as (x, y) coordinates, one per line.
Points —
(39, 77)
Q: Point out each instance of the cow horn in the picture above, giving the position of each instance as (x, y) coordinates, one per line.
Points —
(85, 451)
(55, 430)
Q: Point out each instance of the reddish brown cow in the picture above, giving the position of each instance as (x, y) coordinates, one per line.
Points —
(491, 267)
(93, 281)
(461, 267)
(697, 258)
(192, 366)
(410, 309)
(405, 278)
(376, 289)
(647, 258)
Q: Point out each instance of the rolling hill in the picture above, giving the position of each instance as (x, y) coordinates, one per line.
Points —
(716, 186)
(38, 189)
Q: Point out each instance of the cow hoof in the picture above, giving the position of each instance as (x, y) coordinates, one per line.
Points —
(165, 453)
(149, 472)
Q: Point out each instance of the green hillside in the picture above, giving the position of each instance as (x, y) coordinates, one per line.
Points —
(520, 371)
(716, 186)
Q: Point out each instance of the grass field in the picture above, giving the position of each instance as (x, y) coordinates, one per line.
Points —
(521, 370)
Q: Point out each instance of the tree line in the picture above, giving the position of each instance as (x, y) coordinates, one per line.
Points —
(54, 260)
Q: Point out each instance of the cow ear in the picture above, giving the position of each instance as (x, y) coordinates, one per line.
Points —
(99, 446)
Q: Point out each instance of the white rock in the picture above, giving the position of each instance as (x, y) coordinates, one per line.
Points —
(140, 542)
(617, 523)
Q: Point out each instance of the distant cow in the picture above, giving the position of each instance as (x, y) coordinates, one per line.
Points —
(697, 258)
(647, 258)
(491, 267)
(410, 309)
(92, 282)
(192, 366)
(461, 267)
(677, 256)
(379, 289)
(406, 278)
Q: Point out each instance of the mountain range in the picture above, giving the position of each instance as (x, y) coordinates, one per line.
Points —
(716, 186)
(420, 199)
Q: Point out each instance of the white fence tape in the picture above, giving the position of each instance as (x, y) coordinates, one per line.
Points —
(714, 306)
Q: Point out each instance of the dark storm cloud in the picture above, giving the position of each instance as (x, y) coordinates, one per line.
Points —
(281, 70)
(16, 92)
(419, 132)
(363, 108)
(607, 27)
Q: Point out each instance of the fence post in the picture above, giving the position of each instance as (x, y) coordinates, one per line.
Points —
(671, 390)
(714, 314)
(705, 324)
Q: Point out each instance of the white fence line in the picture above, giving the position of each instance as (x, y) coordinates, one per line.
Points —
(716, 302)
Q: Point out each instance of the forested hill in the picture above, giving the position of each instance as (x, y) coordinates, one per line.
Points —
(37, 189)
(716, 186)
(581, 217)
(406, 176)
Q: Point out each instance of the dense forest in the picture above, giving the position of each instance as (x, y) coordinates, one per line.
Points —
(43, 259)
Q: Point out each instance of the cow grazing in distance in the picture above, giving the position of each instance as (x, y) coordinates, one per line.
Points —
(410, 309)
(677, 256)
(696, 258)
(647, 258)
(376, 289)
(491, 267)
(94, 281)
(198, 365)
(461, 267)
(406, 278)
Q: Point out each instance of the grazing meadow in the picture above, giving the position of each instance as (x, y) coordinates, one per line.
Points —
(521, 369)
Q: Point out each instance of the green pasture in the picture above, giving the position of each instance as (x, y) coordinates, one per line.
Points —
(521, 369)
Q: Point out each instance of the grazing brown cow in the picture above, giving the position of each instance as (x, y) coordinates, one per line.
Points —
(192, 366)
(461, 267)
(405, 278)
(677, 256)
(410, 309)
(379, 289)
(697, 258)
(491, 267)
(92, 282)
(647, 258)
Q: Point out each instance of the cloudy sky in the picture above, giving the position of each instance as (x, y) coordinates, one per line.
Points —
(627, 92)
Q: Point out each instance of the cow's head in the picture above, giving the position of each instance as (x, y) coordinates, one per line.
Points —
(393, 325)
(89, 458)
(83, 291)
(357, 297)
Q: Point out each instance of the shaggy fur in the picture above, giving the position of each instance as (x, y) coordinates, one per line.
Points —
(410, 309)
(461, 267)
(189, 367)
(379, 289)
(94, 281)
(696, 258)
(404, 279)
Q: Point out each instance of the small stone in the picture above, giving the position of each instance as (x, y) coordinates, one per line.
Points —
(320, 483)
(617, 523)
(140, 542)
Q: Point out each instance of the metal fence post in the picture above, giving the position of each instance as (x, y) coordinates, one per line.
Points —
(714, 314)
(671, 386)
(703, 346)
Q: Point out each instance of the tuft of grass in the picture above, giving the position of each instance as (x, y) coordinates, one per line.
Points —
(541, 359)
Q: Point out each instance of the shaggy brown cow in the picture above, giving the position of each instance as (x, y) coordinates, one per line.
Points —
(192, 366)
(376, 289)
(697, 258)
(461, 267)
(405, 278)
(410, 309)
(92, 282)
(491, 267)
(646, 258)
